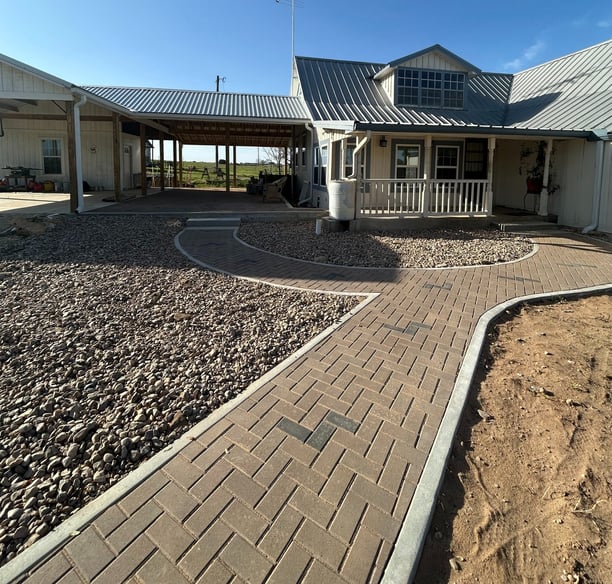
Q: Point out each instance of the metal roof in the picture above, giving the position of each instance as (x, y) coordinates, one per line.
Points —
(345, 90)
(572, 94)
(169, 103)
(207, 117)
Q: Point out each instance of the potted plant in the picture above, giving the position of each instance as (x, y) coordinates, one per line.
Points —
(533, 166)
(533, 160)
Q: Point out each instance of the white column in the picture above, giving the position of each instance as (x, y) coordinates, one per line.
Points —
(489, 193)
(426, 173)
(543, 210)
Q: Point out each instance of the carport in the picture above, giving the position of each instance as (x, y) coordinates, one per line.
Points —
(95, 125)
(206, 118)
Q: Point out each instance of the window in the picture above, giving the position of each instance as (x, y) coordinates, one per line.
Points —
(426, 88)
(319, 167)
(349, 148)
(52, 156)
(407, 161)
(447, 162)
(323, 175)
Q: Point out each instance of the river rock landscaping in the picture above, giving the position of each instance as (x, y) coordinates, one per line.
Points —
(112, 345)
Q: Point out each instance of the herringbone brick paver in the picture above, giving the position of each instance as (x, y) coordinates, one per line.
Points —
(310, 477)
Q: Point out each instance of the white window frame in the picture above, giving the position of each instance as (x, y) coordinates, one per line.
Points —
(417, 167)
(442, 166)
(432, 88)
(319, 166)
(52, 157)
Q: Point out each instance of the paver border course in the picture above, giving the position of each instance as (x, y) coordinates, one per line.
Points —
(404, 560)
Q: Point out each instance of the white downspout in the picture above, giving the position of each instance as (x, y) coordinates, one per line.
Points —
(357, 169)
(597, 188)
(357, 151)
(77, 145)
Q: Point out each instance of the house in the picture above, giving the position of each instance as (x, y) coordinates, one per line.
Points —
(436, 136)
(426, 135)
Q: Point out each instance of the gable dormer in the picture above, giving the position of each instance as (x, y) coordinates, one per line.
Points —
(431, 78)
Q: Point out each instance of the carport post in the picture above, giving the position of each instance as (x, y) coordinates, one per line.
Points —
(227, 166)
(234, 160)
(162, 169)
(143, 160)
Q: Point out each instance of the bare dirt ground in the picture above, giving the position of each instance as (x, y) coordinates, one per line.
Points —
(528, 491)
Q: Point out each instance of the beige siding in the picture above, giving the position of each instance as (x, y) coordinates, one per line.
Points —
(388, 84)
(575, 161)
(605, 207)
(16, 82)
(21, 146)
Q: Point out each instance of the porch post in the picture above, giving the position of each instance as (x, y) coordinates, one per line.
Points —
(427, 169)
(543, 210)
(489, 193)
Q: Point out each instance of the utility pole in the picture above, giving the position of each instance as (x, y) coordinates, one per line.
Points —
(222, 79)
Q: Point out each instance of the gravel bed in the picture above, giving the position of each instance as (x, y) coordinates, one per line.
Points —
(430, 248)
(111, 346)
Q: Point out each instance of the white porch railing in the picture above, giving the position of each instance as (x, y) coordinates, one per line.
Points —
(423, 198)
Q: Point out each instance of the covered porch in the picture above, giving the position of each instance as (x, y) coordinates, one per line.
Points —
(440, 175)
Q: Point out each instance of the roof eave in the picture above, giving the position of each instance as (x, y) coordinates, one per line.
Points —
(473, 129)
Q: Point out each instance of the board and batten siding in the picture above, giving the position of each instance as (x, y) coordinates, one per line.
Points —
(15, 83)
(431, 60)
(22, 146)
(605, 205)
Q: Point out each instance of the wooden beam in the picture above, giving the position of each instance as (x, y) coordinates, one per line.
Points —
(117, 157)
(174, 161)
(235, 180)
(227, 167)
(143, 160)
(72, 159)
(180, 168)
(53, 117)
(162, 169)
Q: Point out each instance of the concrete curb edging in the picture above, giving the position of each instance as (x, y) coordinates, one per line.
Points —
(404, 561)
(18, 567)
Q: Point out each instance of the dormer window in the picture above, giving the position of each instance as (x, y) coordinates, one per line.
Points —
(426, 88)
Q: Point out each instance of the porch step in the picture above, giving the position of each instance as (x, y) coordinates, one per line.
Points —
(528, 226)
(215, 222)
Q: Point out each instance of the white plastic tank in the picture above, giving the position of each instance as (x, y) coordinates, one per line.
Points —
(341, 199)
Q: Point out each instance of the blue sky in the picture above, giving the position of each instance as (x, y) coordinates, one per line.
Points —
(187, 43)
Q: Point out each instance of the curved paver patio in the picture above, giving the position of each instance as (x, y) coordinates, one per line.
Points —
(311, 475)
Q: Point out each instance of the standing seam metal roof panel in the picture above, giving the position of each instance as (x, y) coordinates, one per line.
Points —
(176, 102)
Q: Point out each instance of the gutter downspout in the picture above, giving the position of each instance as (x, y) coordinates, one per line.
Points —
(357, 168)
(309, 129)
(77, 142)
(597, 188)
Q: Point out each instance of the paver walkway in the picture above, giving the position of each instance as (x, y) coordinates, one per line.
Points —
(310, 477)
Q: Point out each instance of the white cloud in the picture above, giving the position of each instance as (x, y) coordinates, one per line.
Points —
(604, 23)
(528, 55)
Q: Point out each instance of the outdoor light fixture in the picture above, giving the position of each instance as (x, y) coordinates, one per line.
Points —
(383, 142)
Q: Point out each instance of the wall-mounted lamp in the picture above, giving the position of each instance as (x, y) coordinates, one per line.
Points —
(383, 142)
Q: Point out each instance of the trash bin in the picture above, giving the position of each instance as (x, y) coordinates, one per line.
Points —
(341, 199)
